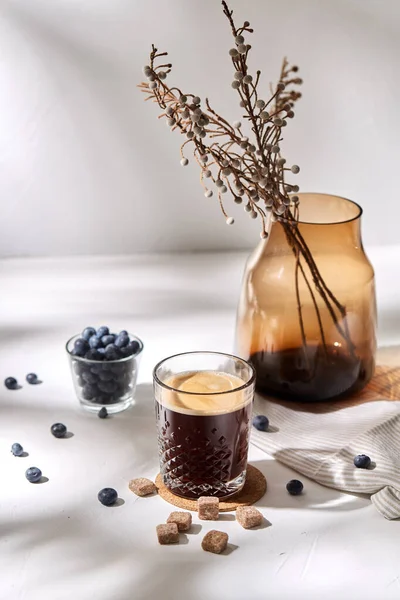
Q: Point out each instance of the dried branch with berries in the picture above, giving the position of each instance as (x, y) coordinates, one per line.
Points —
(244, 161)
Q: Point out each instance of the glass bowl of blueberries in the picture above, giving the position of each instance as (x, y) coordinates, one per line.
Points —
(104, 368)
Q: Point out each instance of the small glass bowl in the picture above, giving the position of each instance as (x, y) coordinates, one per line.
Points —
(109, 383)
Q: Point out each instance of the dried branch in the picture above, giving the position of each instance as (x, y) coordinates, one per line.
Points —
(246, 165)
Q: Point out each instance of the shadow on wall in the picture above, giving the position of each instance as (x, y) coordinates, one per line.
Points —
(94, 97)
(79, 135)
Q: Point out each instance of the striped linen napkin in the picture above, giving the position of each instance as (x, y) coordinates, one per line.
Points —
(321, 440)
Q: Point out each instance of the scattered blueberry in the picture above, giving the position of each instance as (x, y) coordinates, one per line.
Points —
(95, 342)
(103, 413)
(102, 331)
(261, 422)
(58, 430)
(32, 378)
(17, 449)
(88, 332)
(11, 383)
(107, 496)
(294, 487)
(33, 474)
(107, 339)
(362, 461)
(93, 354)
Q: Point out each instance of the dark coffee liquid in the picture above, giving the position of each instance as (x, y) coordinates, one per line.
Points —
(310, 374)
(200, 455)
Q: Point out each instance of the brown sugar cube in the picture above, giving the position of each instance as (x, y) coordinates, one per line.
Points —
(215, 541)
(248, 516)
(142, 486)
(182, 519)
(208, 508)
(168, 534)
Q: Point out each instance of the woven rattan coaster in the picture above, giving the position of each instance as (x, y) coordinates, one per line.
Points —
(254, 489)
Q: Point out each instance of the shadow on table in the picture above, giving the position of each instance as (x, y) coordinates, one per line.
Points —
(315, 496)
(385, 385)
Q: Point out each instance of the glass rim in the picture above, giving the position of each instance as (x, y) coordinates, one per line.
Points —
(333, 222)
(109, 362)
(225, 354)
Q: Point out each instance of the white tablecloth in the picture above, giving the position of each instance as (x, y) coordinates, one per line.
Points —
(58, 542)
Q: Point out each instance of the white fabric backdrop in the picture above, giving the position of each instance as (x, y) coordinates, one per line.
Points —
(85, 167)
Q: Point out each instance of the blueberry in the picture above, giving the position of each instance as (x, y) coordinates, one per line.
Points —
(120, 379)
(17, 449)
(33, 474)
(132, 348)
(11, 383)
(124, 332)
(107, 339)
(89, 377)
(102, 399)
(103, 413)
(294, 487)
(96, 369)
(107, 387)
(121, 340)
(101, 351)
(107, 496)
(58, 430)
(32, 378)
(102, 331)
(93, 354)
(362, 461)
(106, 376)
(81, 345)
(261, 422)
(89, 391)
(88, 332)
(95, 342)
(78, 367)
(112, 352)
(124, 387)
(118, 368)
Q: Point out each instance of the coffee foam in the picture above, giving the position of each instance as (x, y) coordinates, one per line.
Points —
(203, 393)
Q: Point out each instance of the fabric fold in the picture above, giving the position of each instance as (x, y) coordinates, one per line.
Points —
(322, 446)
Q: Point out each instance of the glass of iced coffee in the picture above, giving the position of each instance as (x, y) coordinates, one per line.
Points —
(203, 409)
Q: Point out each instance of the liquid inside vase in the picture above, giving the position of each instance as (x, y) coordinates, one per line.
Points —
(310, 374)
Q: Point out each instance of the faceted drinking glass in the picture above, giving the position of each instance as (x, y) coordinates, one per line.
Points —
(203, 432)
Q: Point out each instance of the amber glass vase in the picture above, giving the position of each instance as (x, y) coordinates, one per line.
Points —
(309, 325)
